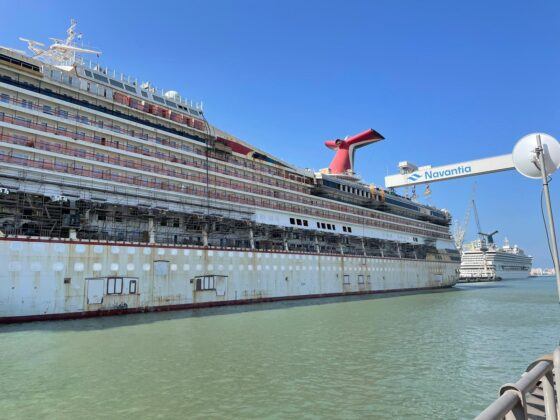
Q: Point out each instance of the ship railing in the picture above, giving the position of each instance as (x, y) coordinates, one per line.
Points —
(535, 394)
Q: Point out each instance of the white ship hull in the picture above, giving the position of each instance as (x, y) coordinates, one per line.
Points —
(512, 275)
(45, 279)
(492, 276)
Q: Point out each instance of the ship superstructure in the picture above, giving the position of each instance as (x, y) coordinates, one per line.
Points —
(117, 196)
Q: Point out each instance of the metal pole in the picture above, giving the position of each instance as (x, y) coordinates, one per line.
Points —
(553, 244)
(549, 396)
(556, 370)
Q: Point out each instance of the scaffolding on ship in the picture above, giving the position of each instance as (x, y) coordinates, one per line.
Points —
(43, 214)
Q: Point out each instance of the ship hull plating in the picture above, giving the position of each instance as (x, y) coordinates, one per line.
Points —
(45, 279)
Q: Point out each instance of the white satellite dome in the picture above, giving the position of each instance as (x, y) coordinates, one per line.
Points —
(525, 158)
(172, 94)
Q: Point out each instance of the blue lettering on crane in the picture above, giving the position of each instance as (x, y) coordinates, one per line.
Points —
(444, 173)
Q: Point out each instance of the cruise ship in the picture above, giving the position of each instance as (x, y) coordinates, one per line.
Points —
(482, 262)
(117, 197)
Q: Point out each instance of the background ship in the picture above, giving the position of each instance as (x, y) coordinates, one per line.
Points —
(482, 262)
(118, 197)
(542, 272)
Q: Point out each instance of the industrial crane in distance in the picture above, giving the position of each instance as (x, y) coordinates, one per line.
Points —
(460, 227)
(485, 238)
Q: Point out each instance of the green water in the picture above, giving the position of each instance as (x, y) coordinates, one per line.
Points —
(438, 355)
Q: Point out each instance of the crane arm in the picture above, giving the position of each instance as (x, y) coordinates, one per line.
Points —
(475, 211)
(427, 174)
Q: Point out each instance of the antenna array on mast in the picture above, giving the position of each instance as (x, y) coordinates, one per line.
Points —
(62, 52)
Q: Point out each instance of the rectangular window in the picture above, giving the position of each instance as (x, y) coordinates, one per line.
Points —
(360, 279)
(157, 99)
(349, 229)
(144, 94)
(292, 221)
(318, 224)
(88, 73)
(346, 279)
(130, 88)
(132, 287)
(114, 285)
(117, 84)
(205, 283)
(298, 221)
(305, 223)
(344, 228)
(100, 78)
(323, 226)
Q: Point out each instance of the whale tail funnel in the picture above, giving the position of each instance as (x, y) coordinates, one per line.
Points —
(343, 161)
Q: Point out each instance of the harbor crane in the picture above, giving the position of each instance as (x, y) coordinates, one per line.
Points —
(485, 238)
(411, 174)
(460, 228)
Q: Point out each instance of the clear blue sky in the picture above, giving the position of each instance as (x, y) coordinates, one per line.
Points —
(443, 81)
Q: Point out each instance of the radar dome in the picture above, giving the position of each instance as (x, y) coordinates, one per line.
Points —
(172, 94)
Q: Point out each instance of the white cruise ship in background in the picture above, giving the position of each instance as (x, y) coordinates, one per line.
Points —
(489, 262)
(118, 197)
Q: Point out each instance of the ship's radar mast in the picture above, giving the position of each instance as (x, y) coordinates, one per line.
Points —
(62, 52)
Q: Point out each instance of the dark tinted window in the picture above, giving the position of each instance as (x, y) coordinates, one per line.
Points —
(100, 78)
(117, 84)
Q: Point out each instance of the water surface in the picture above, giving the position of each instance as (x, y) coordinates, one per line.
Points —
(433, 355)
